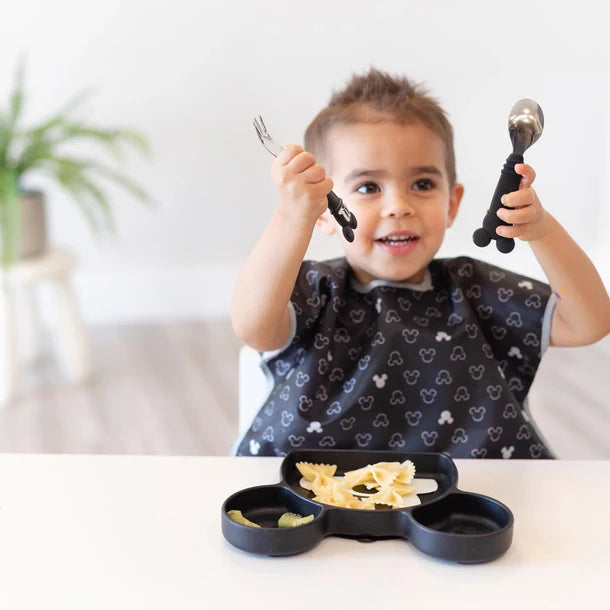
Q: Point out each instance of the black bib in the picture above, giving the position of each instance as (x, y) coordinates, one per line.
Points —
(444, 366)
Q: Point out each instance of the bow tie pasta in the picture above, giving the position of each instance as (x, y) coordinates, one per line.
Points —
(390, 480)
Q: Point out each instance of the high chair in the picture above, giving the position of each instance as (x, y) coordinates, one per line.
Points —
(253, 387)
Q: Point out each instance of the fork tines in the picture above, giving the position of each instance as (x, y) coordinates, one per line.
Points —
(265, 137)
(261, 128)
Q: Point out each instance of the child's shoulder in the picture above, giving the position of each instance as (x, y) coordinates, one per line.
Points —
(316, 272)
(332, 265)
(465, 269)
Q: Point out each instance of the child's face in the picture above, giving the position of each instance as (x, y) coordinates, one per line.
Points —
(393, 178)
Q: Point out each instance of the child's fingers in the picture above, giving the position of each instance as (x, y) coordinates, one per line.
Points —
(288, 153)
(527, 173)
(520, 198)
(314, 174)
(293, 160)
(516, 216)
(511, 230)
(322, 188)
(303, 161)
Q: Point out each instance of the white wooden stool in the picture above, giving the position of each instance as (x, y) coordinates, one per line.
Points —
(20, 331)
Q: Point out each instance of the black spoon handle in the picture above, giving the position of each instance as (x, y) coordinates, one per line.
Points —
(509, 181)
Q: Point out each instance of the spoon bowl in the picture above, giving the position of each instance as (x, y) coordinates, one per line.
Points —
(525, 125)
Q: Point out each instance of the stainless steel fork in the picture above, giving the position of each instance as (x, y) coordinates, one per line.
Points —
(336, 206)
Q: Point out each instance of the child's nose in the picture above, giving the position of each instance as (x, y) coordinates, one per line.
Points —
(397, 207)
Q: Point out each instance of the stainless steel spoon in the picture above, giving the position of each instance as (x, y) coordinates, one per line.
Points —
(525, 125)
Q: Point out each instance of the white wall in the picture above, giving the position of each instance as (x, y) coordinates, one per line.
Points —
(191, 75)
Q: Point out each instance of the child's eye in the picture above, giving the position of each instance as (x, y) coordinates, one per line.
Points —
(424, 184)
(367, 188)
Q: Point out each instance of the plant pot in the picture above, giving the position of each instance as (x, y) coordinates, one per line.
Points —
(33, 241)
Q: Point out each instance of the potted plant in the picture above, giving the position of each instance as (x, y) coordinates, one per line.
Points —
(42, 148)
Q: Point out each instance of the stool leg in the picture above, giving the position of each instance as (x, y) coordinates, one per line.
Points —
(73, 347)
(28, 323)
(9, 370)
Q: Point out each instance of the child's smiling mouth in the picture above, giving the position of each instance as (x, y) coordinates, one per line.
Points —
(398, 242)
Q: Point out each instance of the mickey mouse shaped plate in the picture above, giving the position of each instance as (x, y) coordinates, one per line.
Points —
(434, 515)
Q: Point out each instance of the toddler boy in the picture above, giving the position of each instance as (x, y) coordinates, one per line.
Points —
(389, 348)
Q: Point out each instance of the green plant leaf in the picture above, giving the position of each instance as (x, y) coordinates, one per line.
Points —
(41, 147)
(16, 103)
(91, 199)
(10, 216)
(112, 139)
(43, 142)
(8, 124)
(74, 176)
(122, 180)
(60, 117)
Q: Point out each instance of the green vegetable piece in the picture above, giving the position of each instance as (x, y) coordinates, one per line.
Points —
(239, 518)
(293, 519)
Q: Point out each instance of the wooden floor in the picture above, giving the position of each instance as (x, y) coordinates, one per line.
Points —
(157, 389)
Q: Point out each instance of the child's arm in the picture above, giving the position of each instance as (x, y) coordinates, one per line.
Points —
(259, 310)
(582, 312)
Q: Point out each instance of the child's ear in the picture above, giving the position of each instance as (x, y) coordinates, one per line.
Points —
(457, 192)
(325, 223)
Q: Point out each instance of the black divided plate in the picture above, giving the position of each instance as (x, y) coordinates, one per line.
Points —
(449, 524)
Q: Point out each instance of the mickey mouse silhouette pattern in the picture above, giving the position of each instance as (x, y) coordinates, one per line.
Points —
(444, 366)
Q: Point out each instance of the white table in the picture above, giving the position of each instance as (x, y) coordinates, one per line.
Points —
(125, 532)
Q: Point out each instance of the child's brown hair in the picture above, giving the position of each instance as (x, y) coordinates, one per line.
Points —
(389, 96)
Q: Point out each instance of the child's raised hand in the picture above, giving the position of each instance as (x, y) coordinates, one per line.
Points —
(528, 218)
(301, 183)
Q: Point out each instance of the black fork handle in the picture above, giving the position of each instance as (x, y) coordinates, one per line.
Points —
(342, 215)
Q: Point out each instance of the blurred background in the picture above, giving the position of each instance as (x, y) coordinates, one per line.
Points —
(162, 374)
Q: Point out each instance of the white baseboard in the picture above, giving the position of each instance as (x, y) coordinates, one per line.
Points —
(149, 294)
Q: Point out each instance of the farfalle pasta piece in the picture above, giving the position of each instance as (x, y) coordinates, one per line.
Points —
(333, 493)
(343, 496)
(403, 489)
(309, 471)
(391, 466)
(360, 476)
(319, 479)
(305, 484)
(315, 476)
(374, 475)
(386, 496)
(340, 502)
(406, 473)
(323, 485)
(355, 477)
(383, 476)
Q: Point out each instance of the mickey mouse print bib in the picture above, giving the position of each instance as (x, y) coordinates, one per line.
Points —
(443, 366)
